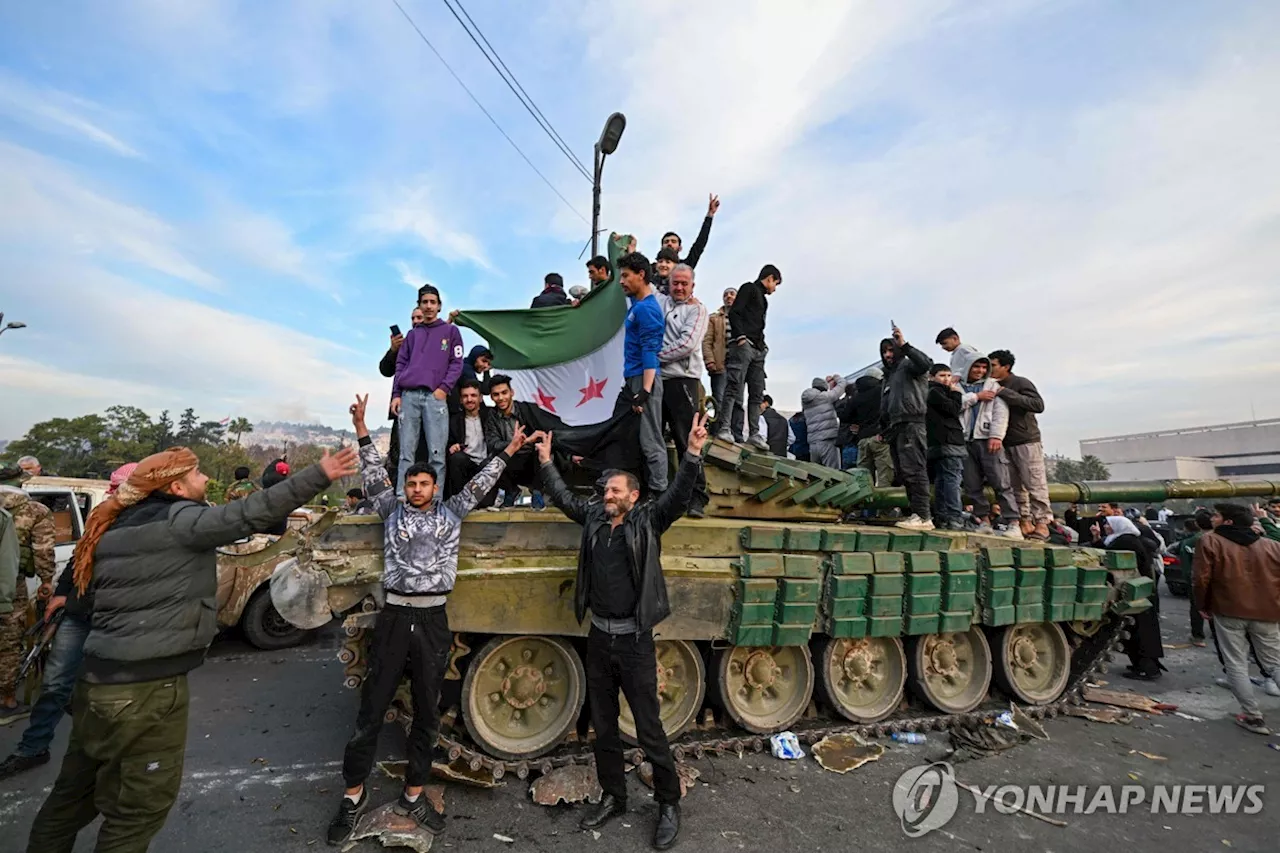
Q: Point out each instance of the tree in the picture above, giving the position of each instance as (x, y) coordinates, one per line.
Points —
(163, 436)
(69, 447)
(209, 432)
(238, 427)
(187, 426)
(130, 434)
(1094, 468)
(1064, 470)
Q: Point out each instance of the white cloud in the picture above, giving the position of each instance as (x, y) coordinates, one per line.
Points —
(57, 112)
(49, 208)
(413, 210)
(410, 274)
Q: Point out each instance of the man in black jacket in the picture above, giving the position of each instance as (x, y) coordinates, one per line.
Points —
(1022, 445)
(671, 240)
(947, 450)
(552, 294)
(874, 454)
(468, 449)
(620, 581)
(148, 555)
(507, 413)
(776, 427)
(903, 419)
(744, 362)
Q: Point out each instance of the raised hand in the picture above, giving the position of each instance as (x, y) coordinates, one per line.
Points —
(518, 439)
(543, 440)
(344, 463)
(698, 435)
(713, 204)
(357, 410)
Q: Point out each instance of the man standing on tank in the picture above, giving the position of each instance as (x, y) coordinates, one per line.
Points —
(746, 351)
(620, 581)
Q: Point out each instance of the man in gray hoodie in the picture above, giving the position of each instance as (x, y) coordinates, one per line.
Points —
(681, 367)
(987, 464)
(818, 403)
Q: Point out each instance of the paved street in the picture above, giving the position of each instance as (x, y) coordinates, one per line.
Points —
(267, 731)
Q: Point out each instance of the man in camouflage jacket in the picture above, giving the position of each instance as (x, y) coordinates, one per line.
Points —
(33, 522)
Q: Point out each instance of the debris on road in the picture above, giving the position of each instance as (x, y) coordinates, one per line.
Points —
(575, 783)
(786, 745)
(460, 771)
(908, 737)
(687, 772)
(392, 830)
(1025, 724)
(1123, 699)
(1192, 717)
(1101, 715)
(1013, 806)
(1150, 755)
(504, 838)
(845, 752)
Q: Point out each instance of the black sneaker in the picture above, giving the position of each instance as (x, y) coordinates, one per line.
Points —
(422, 811)
(343, 825)
(15, 764)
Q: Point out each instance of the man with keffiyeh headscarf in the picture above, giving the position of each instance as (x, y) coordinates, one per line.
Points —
(148, 557)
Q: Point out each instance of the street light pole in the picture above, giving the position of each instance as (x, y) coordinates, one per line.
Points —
(14, 324)
(607, 144)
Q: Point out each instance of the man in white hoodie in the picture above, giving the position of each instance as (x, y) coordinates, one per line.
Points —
(984, 425)
(682, 367)
(949, 340)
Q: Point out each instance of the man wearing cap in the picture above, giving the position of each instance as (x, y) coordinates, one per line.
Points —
(33, 524)
(552, 294)
(242, 487)
(428, 365)
(61, 666)
(714, 350)
(148, 554)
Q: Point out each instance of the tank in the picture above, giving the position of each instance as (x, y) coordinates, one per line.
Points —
(783, 617)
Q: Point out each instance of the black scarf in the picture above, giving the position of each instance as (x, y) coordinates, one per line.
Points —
(1239, 535)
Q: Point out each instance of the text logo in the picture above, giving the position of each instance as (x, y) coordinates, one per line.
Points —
(925, 798)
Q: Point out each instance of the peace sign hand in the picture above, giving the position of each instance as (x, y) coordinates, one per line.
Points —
(698, 435)
(357, 415)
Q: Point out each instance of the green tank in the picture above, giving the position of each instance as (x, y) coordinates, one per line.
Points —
(783, 617)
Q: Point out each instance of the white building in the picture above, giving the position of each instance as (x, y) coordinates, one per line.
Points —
(1241, 451)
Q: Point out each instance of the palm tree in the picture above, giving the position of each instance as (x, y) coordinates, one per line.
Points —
(238, 427)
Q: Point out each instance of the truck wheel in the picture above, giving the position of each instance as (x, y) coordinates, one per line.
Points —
(266, 629)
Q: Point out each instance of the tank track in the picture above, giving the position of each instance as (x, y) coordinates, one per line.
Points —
(1088, 659)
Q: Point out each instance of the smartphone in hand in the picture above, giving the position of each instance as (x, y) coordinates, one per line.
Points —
(395, 331)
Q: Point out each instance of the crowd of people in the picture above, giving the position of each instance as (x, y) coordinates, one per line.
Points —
(140, 594)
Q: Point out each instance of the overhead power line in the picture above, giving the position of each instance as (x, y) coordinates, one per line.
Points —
(513, 84)
(487, 114)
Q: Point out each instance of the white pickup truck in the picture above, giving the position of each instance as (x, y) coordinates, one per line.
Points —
(243, 596)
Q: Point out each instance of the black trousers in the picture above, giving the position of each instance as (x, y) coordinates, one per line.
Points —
(520, 471)
(679, 405)
(907, 445)
(1144, 646)
(627, 662)
(412, 641)
(459, 469)
(1197, 621)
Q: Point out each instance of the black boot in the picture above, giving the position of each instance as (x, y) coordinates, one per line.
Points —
(15, 764)
(609, 808)
(668, 827)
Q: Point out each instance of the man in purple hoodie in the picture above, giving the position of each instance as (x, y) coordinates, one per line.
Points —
(427, 366)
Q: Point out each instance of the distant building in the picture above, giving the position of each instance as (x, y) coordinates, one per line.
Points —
(1241, 451)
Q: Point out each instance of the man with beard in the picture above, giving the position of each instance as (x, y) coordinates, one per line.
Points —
(671, 240)
(903, 416)
(620, 581)
(499, 429)
(681, 360)
(1022, 444)
(149, 555)
(643, 332)
(714, 350)
(468, 450)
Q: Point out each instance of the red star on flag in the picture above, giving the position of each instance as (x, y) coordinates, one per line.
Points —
(546, 402)
(593, 390)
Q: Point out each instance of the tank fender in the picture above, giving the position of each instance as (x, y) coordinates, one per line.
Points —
(301, 595)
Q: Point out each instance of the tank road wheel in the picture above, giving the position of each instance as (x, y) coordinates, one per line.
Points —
(682, 684)
(522, 695)
(1085, 627)
(1033, 662)
(952, 671)
(765, 688)
(862, 678)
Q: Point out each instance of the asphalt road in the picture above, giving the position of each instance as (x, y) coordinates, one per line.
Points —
(267, 731)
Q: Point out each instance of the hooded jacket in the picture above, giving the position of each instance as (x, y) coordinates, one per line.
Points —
(981, 419)
(800, 434)
(819, 406)
(420, 546)
(682, 337)
(430, 359)
(1237, 580)
(864, 407)
(963, 355)
(942, 422)
(469, 369)
(905, 385)
(1024, 402)
(643, 528)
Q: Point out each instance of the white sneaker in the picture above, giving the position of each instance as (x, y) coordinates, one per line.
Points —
(758, 441)
(1271, 688)
(1221, 681)
(915, 522)
(1009, 531)
(725, 435)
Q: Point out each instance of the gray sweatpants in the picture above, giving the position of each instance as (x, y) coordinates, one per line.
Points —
(1233, 641)
(652, 447)
(989, 469)
(1030, 482)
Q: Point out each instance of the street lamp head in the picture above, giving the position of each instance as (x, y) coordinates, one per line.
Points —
(612, 133)
(16, 325)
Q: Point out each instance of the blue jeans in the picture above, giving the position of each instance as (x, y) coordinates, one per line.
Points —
(422, 414)
(947, 487)
(61, 668)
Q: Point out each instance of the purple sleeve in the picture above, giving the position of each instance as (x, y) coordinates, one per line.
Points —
(402, 361)
(454, 372)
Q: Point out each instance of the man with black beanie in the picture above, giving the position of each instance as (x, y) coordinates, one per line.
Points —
(902, 414)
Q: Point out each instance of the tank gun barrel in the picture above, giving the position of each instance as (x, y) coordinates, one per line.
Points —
(1135, 491)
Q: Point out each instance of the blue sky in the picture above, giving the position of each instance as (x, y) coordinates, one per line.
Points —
(226, 204)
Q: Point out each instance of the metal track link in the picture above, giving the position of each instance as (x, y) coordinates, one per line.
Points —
(1090, 658)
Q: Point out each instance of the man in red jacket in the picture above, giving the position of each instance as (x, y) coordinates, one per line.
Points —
(1237, 583)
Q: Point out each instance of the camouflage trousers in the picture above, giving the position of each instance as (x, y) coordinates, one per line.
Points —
(124, 762)
(1030, 482)
(12, 627)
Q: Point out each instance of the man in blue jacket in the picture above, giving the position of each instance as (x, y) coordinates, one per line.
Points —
(642, 390)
